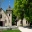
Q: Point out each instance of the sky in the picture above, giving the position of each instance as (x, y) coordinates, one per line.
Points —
(6, 3)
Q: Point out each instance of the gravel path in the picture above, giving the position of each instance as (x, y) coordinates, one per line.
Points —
(24, 29)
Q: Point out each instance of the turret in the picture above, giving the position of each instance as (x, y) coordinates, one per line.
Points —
(9, 15)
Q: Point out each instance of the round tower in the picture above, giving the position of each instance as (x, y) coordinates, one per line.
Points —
(9, 15)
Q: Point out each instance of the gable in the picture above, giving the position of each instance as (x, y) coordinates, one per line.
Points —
(4, 16)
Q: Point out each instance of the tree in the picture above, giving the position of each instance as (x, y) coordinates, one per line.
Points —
(18, 6)
(23, 9)
(28, 11)
(13, 18)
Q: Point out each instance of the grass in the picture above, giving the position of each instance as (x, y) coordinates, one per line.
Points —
(11, 31)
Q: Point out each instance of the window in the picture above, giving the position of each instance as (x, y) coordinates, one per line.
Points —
(0, 15)
(9, 14)
(26, 22)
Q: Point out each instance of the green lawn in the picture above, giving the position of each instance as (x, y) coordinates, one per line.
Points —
(11, 31)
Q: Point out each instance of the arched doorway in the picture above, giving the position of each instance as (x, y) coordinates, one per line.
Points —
(1, 23)
(30, 24)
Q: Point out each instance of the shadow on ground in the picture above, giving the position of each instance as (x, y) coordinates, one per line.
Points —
(30, 27)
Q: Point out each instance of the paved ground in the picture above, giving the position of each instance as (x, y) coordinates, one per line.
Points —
(13, 27)
(25, 29)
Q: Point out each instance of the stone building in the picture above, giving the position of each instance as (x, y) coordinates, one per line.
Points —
(23, 22)
(6, 18)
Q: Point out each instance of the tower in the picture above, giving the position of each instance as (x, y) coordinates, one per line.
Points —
(9, 15)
